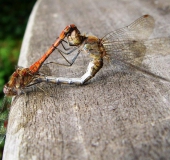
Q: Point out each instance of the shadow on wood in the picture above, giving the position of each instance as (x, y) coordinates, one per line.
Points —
(115, 116)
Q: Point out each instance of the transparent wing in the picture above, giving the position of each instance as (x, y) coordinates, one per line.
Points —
(130, 44)
(140, 29)
(157, 46)
(127, 50)
(134, 52)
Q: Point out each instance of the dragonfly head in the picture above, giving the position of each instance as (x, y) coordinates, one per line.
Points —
(75, 38)
(9, 91)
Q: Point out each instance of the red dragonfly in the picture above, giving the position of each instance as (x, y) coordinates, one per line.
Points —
(22, 77)
(126, 46)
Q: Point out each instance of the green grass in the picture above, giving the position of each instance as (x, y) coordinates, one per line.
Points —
(9, 52)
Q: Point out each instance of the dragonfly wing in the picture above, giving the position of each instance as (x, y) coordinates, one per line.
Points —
(128, 50)
(131, 53)
(140, 29)
(157, 46)
(134, 52)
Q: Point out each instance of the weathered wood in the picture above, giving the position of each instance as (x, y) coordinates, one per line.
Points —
(116, 115)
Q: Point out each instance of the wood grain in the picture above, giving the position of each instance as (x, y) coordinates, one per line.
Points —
(117, 115)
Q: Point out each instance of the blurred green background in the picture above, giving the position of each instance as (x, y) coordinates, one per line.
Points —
(13, 20)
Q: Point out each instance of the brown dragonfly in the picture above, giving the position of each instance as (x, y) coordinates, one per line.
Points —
(128, 45)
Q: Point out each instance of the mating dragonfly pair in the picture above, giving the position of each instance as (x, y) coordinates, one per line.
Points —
(128, 45)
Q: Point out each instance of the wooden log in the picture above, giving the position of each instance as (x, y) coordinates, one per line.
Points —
(115, 115)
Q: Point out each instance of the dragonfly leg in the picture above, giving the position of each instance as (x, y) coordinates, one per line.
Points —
(92, 69)
(73, 60)
(64, 46)
(67, 53)
(66, 49)
(69, 63)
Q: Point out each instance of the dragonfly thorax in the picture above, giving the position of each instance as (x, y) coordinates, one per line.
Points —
(92, 46)
(20, 78)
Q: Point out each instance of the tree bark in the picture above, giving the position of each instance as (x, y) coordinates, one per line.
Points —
(116, 115)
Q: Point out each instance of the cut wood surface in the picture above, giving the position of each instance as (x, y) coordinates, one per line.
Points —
(116, 115)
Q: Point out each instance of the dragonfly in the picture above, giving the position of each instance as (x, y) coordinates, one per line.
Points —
(128, 46)
(24, 77)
